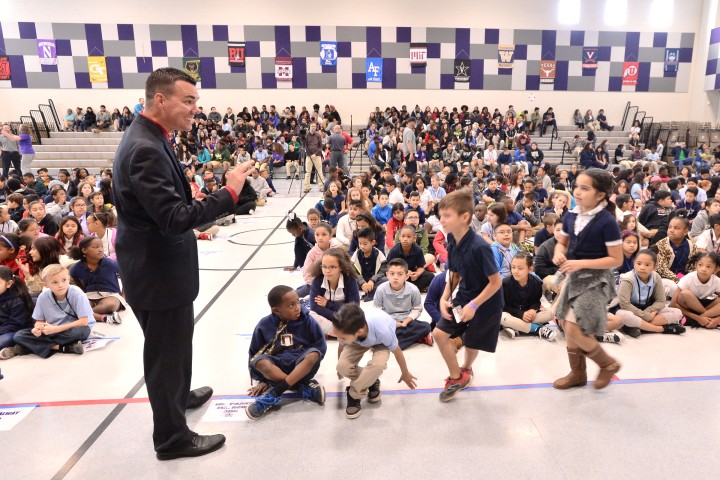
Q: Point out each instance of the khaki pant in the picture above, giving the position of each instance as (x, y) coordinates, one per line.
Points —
(521, 325)
(313, 162)
(362, 378)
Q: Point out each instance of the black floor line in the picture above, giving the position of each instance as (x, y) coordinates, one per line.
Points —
(92, 438)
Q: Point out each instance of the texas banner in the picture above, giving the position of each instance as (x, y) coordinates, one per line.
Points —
(418, 54)
(4, 68)
(236, 54)
(547, 71)
(630, 73)
(590, 58)
(47, 52)
(97, 70)
(506, 56)
(191, 66)
(283, 69)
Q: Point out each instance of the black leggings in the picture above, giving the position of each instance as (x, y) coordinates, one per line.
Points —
(244, 208)
(7, 159)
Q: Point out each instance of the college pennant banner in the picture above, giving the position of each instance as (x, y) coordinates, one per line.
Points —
(373, 70)
(283, 69)
(590, 58)
(47, 52)
(97, 70)
(191, 66)
(418, 54)
(236, 54)
(462, 71)
(672, 59)
(4, 68)
(506, 56)
(547, 71)
(328, 54)
(630, 73)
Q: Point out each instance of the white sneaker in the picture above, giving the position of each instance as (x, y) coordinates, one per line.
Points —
(510, 332)
(611, 337)
(548, 333)
(113, 319)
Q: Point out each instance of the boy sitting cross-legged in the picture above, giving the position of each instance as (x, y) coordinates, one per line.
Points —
(286, 349)
(401, 299)
(370, 263)
(359, 332)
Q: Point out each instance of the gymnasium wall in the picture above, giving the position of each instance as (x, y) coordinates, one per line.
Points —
(142, 36)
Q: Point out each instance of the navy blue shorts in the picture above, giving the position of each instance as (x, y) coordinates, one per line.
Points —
(287, 361)
(480, 333)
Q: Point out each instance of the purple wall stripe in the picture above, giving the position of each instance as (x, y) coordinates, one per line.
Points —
(17, 69)
(145, 64)
(390, 73)
(561, 75)
(282, 41)
(114, 72)
(252, 49)
(532, 82)
(300, 72)
(207, 72)
(82, 80)
(549, 40)
(374, 42)
(643, 84)
(126, 31)
(27, 30)
(268, 80)
(49, 68)
(477, 74)
(520, 52)
(158, 48)
(328, 69)
(63, 48)
(632, 46)
(492, 36)
(358, 80)
(344, 49)
(447, 81)
(604, 54)
(312, 33)
(434, 50)
(404, 34)
(660, 39)
(715, 36)
(615, 84)
(462, 41)
(686, 54)
(188, 33)
(93, 36)
(577, 38)
(717, 82)
(220, 33)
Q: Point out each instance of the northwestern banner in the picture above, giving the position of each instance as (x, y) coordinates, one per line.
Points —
(236, 54)
(590, 58)
(97, 70)
(462, 71)
(47, 52)
(630, 73)
(547, 71)
(672, 59)
(283, 69)
(506, 56)
(4, 68)
(373, 70)
(328, 54)
(191, 66)
(418, 54)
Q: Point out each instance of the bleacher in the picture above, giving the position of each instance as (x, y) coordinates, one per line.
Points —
(67, 150)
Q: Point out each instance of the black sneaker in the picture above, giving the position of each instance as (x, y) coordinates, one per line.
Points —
(674, 329)
(633, 332)
(353, 409)
(374, 394)
(76, 348)
(313, 392)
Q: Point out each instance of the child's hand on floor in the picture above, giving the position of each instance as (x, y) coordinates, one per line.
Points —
(258, 389)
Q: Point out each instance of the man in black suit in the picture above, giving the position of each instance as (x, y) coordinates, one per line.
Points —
(158, 258)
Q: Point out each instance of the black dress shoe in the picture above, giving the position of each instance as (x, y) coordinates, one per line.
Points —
(199, 396)
(199, 445)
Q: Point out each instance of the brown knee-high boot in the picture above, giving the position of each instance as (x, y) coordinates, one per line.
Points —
(608, 366)
(578, 371)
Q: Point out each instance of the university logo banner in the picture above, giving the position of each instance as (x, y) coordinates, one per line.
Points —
(462, 71)
(97, 70)
(373, 70)
(630, 73)
(418, 54)
(328, 54)
(191, 66)
(4, 68)
(590, 58)
(283, 69)
(506, 56)
(547, 71)
(47, 52)
(236, 54)
(672, 59)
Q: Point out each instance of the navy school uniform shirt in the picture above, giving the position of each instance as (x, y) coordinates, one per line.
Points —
(103, 279)
(415, 259)
(541, 236)
(496, 195)
(305, 331)
(593, 241)
(472, 259)
(351, 290)
(518, 299)
(14, 314)
(693, 208)
(379, 241)
(434, 294)
(513, 218)
(303, 244)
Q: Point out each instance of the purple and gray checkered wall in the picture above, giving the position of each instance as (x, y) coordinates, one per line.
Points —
(132, 51)
(712, 72)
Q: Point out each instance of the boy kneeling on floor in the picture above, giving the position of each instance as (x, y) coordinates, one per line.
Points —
(286, 349)
(359, 332)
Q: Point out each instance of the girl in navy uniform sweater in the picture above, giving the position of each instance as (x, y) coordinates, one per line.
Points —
(335, 285)
(15, 307)
(304, 240)
(588, 247)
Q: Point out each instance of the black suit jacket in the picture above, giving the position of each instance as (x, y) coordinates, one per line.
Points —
(156, 248)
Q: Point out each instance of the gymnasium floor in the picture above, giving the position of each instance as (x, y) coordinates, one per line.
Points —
(93, 420)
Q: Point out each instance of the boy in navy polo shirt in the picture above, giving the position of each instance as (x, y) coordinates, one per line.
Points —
(492, 194)
(369, 262)
(413, 255)
(472, 303)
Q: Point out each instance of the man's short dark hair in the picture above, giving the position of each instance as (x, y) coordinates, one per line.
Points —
(163, 80)
(275, 297)
(349, 319)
